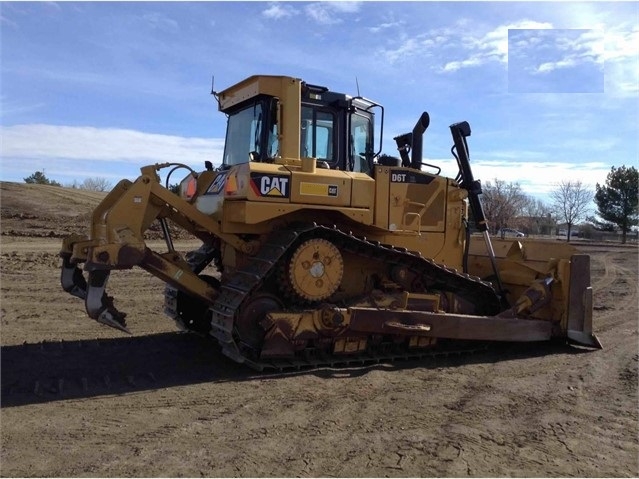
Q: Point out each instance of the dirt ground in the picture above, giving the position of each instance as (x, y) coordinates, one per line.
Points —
(81, 399)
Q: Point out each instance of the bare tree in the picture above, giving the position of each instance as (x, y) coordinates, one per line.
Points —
(502, 203)
(570, 202)
(96, 184)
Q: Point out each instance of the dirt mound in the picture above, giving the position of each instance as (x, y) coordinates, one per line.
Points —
(54, 211)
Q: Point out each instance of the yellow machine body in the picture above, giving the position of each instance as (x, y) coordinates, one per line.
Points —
(322, 247)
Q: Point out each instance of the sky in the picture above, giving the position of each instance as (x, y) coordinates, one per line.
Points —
(550, 89)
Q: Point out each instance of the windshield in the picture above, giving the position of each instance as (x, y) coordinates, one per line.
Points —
(243, 135)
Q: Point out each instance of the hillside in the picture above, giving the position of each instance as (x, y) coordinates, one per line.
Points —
(43, 210)
(53, 211)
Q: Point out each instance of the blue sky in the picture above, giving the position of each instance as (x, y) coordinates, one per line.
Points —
(551, 90)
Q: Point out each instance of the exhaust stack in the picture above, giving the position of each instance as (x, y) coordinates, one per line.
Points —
(417, 137)
(412, 142)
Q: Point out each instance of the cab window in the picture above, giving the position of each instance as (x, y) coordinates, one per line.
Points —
(361, 143)
(243, 135)
(317, 134)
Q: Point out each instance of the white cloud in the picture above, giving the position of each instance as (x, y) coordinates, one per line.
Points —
(620, 45)
(385, 26)
(596, 44)
(491, 46)
(550, 66)
(330, 13)
(79, 145)
(614, 51)
(570, 47)
(477, 47)
(498, 37)
(345, 7)
(469, 62)
(321, 14)
(324, 13)
(277, 11)
(419, 45)
(622, 79)
(622, 62)
(536, 178)
(407, 48)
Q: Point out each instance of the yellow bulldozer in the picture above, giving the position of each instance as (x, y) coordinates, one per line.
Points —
(325, 250)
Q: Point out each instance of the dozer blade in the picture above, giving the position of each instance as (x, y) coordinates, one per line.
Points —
(579, 329)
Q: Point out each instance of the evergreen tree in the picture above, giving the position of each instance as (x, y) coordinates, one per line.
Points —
(617, 200)
(39, 178)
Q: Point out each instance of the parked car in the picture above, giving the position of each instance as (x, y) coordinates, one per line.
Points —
(509, 232)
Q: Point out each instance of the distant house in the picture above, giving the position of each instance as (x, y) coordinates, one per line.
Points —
(535, 225)
(562, 230)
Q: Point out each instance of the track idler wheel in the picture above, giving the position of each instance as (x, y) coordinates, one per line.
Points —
(248, 321)
(316, 269)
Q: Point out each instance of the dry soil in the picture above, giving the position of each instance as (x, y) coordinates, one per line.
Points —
(81, 399)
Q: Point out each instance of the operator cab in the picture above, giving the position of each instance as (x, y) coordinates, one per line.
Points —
(335, 129)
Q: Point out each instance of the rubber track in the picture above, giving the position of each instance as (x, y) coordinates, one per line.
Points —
(244, 282)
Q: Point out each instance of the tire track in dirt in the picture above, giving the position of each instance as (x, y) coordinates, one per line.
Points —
(617, 291)
(607, 381)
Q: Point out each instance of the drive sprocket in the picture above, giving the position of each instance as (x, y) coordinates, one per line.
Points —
(315, 269)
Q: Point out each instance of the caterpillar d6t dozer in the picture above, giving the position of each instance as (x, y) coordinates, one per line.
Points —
(325, 250)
